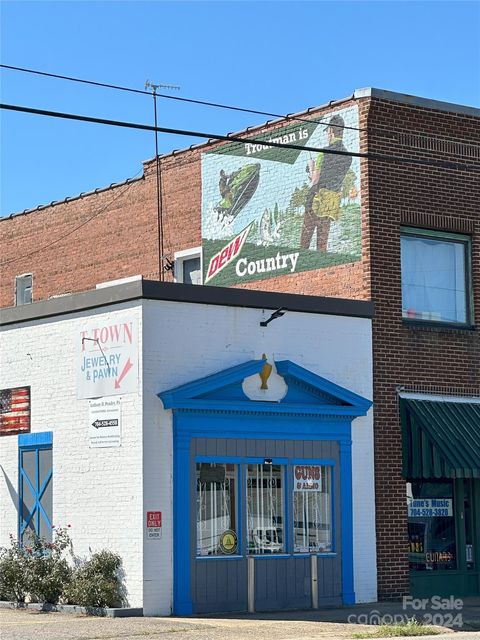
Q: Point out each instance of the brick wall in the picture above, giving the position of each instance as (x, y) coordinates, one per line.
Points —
(123, 241)
(431, 358)
(185, 342)
(67, 252)
(105, 236)
(98, 491)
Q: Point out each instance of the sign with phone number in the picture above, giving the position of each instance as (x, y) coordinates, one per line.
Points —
(430, 508)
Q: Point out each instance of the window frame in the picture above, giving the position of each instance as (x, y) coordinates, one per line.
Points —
(455, 238)
(180, 257)
(16, 292)
(237, 505)
(332, 466)
(288, 465)
(286, 489)
(34, 442)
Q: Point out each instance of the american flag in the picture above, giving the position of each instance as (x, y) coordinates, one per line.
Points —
(14, 410)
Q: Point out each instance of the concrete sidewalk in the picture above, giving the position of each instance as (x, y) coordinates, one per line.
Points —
(325, 624)
(455, 613)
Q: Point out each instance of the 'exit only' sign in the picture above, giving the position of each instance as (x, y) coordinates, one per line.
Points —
(154, 525)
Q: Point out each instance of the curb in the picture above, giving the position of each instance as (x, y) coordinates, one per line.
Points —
(104, 612)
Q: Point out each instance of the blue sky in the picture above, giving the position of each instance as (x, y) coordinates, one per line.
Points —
(273, 56)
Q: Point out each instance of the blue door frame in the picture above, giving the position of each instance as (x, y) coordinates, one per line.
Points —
(216, 407)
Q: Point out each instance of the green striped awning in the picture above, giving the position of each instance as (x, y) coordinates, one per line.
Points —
(440, 439)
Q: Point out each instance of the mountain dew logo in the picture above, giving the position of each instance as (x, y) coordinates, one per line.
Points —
(225, 256)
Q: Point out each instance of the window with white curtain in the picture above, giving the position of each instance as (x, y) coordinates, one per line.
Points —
(265, 508)
(312, 509)
(216, 508)
(435, 277)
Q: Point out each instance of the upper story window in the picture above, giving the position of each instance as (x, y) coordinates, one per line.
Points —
(23, 289)
(435, 277)
(188, 268)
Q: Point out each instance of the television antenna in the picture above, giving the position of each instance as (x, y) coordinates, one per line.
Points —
(150, 86)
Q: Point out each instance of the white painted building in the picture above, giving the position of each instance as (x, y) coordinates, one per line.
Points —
(148, 395)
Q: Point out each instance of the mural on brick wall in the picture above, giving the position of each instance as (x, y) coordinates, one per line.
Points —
(269, 211)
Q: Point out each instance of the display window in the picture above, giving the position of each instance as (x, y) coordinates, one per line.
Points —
(265, 508)
(312, 509)
(216, 509)
(431, 526)
(279, 508)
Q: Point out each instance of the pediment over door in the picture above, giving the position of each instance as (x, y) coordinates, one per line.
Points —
(296, 391)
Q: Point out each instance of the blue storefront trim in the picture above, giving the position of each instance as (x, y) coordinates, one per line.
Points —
(204, 409)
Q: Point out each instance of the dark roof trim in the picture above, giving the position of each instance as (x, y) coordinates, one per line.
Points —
(176, 292)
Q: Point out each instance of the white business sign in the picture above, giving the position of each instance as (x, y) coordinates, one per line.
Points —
(107, 358)
(430, 507)
(105, 423)
(307, 477)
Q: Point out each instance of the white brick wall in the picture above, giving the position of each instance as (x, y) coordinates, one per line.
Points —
(183, 342)
(105, 493)
(97, 491)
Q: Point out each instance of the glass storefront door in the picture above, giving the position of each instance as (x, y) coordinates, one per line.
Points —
(443, 537)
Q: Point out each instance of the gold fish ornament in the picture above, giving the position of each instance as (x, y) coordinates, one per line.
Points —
(265, 373)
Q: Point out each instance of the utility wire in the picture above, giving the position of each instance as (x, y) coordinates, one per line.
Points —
(217, 105)
(178, 98)
(445, 164)
(82, 224)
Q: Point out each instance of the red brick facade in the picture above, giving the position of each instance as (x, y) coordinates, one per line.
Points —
(121, 240)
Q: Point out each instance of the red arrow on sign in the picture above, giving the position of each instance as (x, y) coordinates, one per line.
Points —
(125, 370)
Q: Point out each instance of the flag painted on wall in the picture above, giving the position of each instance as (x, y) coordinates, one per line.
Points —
(14, 410)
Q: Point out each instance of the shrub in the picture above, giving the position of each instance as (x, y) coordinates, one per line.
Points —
(38, 570)
(35, 568)
(48, 571)
(13, 572)
(96, 582)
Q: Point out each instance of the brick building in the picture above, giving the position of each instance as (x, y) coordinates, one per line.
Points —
(394, 219)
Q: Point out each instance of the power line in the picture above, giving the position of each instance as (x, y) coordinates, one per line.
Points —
(206, 103)
(217, 105)
(82, 224)
(445, 164)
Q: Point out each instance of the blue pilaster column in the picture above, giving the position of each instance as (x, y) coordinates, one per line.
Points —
(182, 599)
(348, 588)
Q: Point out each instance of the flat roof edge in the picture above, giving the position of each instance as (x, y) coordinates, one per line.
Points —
(193, 294)
(439, 105)
(68, 199)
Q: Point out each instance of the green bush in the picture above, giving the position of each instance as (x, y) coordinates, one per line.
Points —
(96, 582)
(35, 568)
(38, 571)
(48, 571)
(13, 572)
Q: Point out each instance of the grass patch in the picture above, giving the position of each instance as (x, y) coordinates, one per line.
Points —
(410, 628)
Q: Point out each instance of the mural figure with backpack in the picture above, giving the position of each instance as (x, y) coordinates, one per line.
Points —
(326, 174)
